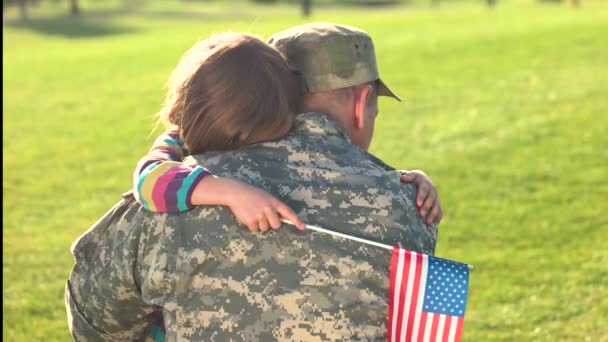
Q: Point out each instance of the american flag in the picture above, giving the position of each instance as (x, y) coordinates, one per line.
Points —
(428, 296)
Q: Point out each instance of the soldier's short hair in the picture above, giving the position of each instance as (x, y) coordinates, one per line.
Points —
(228, 91)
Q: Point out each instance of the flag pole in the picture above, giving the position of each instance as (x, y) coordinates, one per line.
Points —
(350, 237)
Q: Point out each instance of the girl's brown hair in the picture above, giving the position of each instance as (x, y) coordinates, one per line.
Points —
(229, 91)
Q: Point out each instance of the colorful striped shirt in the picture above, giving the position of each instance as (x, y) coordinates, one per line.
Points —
(161, 181)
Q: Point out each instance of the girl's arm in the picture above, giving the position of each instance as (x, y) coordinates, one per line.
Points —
(164, 184)
(161, 181)
(253, 207)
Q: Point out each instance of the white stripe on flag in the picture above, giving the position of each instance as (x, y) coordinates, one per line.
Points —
(408, 295)
(428, 327)
(425, 264)
(440, 328)
(398, 281)
(453, 324)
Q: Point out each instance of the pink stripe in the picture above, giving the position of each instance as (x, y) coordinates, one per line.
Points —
(460, 323)
(446, 328)
(415, 289)
(420, 301)
(434, 327)
(391, 291)
(397, 293)
(404, 281)
(160, 188)
(423, 317)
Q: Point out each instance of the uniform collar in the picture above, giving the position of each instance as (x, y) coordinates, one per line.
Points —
(320, 124)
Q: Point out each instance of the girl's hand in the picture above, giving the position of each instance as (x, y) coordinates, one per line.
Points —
(253, 207)
(427, 199)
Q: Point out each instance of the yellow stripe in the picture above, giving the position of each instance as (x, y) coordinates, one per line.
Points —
(150, 181)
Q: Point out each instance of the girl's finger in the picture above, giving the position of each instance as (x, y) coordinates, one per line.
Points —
(290, 215)
(407, 177)
(422, 195)
(434, 215)
(273, 218)
(263, 223)
(429, 202)
(252, 225)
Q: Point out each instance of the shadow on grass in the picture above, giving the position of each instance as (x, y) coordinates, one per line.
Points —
(99, 23)
(69, 27)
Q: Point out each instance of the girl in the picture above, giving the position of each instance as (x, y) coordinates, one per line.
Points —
(246, 89)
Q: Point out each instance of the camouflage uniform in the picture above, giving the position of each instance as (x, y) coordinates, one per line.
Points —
(214, 280)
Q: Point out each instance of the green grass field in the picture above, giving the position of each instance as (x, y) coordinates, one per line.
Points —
(506, 109)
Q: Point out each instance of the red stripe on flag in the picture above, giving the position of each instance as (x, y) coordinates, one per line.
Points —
(391, 298)
(404, 281)
(416, 288)
(446, 328)
(421, 331)
(460, 323)
(434, 327)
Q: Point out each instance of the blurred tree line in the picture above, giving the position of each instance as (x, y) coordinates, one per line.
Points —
(306, 5)
(74, 8)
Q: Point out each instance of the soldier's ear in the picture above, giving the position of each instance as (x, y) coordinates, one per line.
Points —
(363, 94)
(300, 79)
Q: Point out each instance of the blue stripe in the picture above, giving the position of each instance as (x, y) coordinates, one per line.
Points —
(140, 182)
(186, 184)
(157, 334)
(170, 141)
(175, 136)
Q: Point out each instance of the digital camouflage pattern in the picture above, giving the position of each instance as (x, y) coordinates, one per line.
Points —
(330, 56)
(213, 280)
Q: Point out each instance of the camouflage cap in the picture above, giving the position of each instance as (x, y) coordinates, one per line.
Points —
(330, 56)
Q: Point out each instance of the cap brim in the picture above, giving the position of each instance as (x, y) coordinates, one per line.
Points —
(383, 90)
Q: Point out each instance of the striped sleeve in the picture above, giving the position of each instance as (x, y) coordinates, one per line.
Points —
(162, 182)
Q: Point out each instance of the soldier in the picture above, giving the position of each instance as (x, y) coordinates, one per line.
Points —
(214, 281)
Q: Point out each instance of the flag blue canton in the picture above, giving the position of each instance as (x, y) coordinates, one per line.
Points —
(446, 287)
